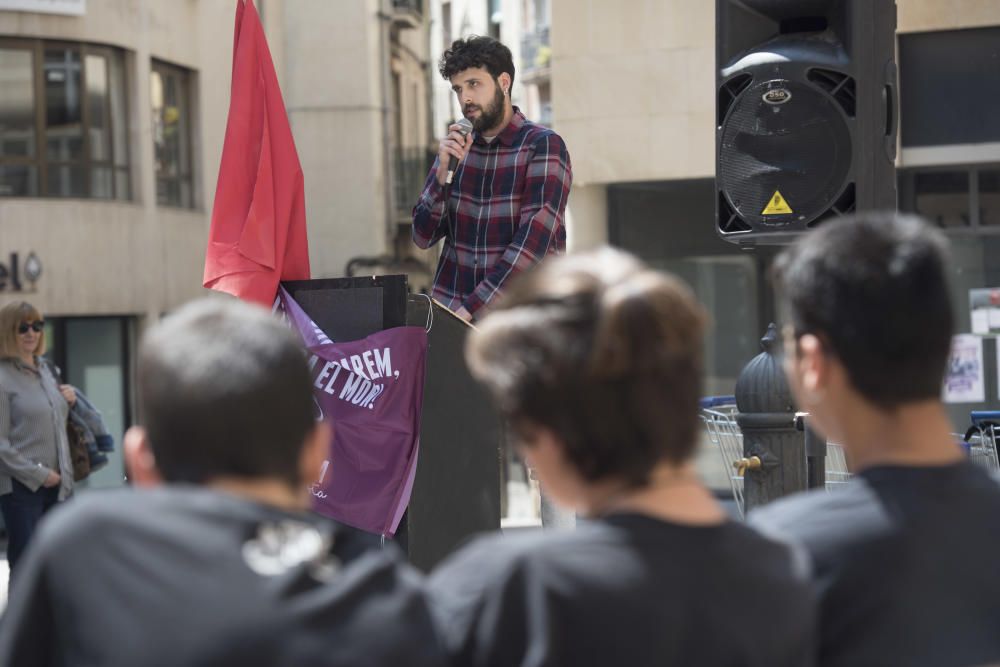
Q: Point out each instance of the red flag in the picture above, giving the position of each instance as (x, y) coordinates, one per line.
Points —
(258, 233)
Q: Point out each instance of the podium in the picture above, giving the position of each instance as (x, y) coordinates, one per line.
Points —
(456, 491)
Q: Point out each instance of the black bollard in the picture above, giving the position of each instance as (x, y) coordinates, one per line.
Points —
(774, 463)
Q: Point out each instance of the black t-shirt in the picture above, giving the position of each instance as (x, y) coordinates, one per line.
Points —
(184, 576)
(625, 590)
(907, 563)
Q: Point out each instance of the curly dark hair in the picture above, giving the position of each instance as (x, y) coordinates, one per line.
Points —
(476, 51)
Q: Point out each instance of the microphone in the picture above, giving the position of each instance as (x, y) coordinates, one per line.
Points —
(465, 126)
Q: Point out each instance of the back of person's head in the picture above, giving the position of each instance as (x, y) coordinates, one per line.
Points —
(224, 391)
(12, 316)
(873, 289)
(603, 352)
(474, 51)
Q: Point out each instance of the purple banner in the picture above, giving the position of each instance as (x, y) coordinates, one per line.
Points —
(370, 391)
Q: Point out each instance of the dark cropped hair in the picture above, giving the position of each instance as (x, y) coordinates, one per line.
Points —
(874, 289)
(475, 51)
(224, 390)
(604, 352)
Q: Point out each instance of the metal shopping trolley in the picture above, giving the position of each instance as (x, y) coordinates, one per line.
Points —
(837, 472)
(719, 415)
(981, 438)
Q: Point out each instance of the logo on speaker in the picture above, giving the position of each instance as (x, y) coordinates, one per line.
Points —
(777, 96)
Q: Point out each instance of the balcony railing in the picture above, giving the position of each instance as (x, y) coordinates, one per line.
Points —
(536, 52)
(415, 6)
(412, 167)
(407, 13)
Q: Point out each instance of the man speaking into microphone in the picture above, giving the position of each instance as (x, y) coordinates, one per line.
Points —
(496, 194)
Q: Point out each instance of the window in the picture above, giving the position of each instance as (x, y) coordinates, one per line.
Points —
(943, 196)
(170, 93)
(989, 197)
(949, 87)
(63, 121)
(415, 6)
(18, 147)
(953, 197)
(495, 15)
(446, 24)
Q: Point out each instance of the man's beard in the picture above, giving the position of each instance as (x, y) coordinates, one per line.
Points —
(489, 117)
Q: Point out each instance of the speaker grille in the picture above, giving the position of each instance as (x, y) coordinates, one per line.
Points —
(729, 91)
(845, 204)
(838, 85)
(796, 143)
(728, 220)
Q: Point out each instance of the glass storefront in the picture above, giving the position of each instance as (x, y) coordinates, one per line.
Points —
(94, 354)
(671, 225)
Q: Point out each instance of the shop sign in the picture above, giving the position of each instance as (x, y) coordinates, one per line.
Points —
(19, 274)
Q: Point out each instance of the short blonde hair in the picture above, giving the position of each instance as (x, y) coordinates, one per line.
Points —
(11, 316)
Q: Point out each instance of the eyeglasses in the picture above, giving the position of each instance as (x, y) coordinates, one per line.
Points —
(37, 325)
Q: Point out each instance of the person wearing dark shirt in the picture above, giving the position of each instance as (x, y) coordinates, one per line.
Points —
(904, 558)
(595, 361)
(213, 557)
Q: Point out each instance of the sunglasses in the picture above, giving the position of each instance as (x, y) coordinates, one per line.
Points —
(37, 325)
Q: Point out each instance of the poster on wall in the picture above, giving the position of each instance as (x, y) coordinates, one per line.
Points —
(984, 309)
(964, 380)
(68, 7)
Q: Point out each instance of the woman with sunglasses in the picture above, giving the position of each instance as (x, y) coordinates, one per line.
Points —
(35, 467)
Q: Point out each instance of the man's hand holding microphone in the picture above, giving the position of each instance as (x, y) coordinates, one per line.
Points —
(453, 150)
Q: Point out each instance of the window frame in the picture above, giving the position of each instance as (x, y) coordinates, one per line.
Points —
(40, 161)
(905, 182)
(186, 175)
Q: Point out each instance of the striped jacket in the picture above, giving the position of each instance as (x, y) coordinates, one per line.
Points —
(32, 428)
(506, 207)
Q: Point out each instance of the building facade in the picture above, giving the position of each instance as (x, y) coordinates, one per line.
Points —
(633, 82)
(112, 120)
(355, 78)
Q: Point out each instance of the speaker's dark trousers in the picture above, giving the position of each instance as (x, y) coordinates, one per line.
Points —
(22, 509)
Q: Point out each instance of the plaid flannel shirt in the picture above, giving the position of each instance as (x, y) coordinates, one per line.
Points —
(507, 203)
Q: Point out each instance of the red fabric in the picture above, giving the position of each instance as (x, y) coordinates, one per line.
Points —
(258, 232)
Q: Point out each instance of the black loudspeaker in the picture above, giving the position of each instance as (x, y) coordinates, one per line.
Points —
(806, 114)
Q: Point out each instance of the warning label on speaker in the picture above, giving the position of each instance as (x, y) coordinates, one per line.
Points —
(777, 206)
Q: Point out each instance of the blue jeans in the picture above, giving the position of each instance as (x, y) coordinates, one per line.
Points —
(22, 510)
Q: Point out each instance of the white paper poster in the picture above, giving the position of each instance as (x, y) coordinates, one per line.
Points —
(69, 7)
(980, 321)
(964, 381)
